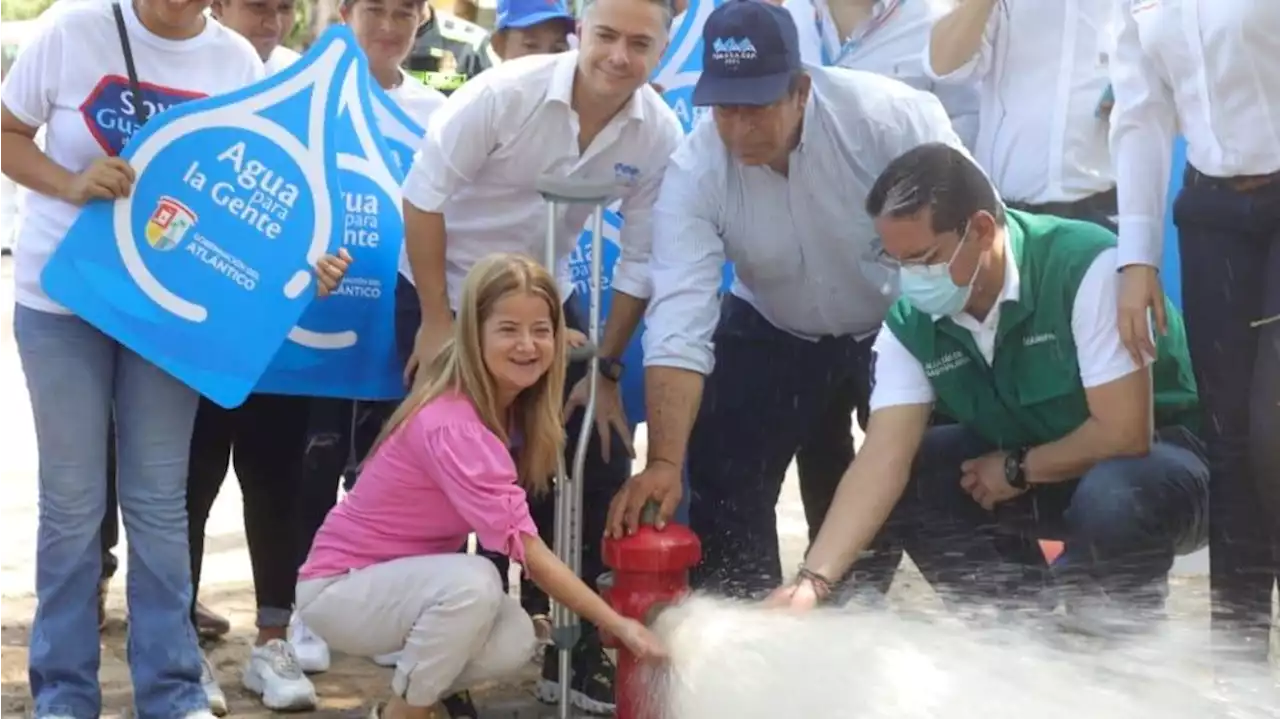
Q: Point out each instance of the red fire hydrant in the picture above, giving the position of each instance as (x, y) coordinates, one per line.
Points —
(650, 571)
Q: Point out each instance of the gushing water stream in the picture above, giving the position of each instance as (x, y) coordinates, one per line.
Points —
(733, 661)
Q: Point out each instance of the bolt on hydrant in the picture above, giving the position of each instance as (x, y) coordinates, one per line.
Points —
(650, 570)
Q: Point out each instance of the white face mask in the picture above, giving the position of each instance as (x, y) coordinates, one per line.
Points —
(930, 289)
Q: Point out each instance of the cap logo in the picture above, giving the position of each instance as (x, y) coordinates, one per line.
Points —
(732, 51)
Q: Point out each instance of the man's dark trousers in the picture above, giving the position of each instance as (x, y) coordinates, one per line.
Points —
(772, 397)
(1123, 522)
(1229, 245)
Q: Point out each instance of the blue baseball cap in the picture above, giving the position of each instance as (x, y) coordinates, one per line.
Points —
(750, 52)
(521, 14)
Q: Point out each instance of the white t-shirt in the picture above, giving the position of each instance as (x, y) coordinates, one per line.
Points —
(900, 379)
(88, 111)
(418, 101)
(281, 57)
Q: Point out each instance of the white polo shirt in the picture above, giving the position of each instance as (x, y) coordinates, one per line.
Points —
(1042, 71)
(800, 244)
(1209, 68)
(888, 42)
(900, 378)
(490, 142)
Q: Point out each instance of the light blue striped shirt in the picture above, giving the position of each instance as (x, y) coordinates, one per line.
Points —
(800, 244)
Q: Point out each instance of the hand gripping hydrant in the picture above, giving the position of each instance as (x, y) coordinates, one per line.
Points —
(650, 572)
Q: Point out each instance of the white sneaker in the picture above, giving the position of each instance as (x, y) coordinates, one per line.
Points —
(273, 674)
(202, 714)
(212, 691)
(312, 651)
(390, 659)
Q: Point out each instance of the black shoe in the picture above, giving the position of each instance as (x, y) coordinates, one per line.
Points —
(460, 706)
(590, 688)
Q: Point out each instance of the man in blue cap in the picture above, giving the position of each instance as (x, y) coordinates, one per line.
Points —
(530, 27)
(775, 181)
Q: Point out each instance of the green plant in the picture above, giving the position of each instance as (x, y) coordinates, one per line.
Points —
(23, 9)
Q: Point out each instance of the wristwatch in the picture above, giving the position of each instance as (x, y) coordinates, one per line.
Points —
(1015, 469)
(611, 369)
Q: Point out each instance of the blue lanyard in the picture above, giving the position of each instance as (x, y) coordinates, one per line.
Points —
(865, 31)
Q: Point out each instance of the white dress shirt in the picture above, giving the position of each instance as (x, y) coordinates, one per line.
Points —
(800, 244)
(487, 146)
(1042, 72)
(901, 379)
(1210, 68)
(889, 42)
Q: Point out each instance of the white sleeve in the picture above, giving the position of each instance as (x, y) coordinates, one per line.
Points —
(1100, 354)
(31, 86)
(920, 121)
(631, 274)
(459, 139)
(686, 266)
(977, 67)
(897, 377)
(1143, 126)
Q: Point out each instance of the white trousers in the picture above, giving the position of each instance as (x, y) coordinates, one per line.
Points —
(447, 612)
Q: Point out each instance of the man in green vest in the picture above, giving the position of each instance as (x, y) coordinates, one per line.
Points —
(1007, 325)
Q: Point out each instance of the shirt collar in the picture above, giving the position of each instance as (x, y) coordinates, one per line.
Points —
(561, 88)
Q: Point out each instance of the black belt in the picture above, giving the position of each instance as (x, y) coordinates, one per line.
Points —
(1241, 183)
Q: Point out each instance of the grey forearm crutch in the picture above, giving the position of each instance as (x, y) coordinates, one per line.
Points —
(568, 522)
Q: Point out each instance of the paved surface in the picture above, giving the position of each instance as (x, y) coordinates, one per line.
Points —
(351, 683)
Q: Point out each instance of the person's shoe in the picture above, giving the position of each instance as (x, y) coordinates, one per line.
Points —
(212, 690)
(390, 659)
(312, 651)
(201, 714)
(376, 711)
(460, 706)
(210, 625)
(590, 688)
(273, 674)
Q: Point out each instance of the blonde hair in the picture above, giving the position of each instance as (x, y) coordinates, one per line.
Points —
(537, 412)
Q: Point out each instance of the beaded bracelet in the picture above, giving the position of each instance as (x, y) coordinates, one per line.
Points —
(821, 584)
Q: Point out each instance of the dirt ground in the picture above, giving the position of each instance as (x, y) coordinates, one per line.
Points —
(352, 683)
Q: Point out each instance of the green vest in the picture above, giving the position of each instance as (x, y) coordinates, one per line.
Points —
(1032, 393)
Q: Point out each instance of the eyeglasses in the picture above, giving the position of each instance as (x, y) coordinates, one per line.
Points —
(877, 254)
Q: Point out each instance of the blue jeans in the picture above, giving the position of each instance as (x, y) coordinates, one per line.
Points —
(76, 376)
(1122, 522)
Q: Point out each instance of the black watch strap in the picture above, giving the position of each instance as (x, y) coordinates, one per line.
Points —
(1015, 468)
(611, 368)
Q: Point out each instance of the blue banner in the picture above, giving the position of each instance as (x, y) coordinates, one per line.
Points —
(235, 201)
(1171, 267)
(345, 345)
(676, 74)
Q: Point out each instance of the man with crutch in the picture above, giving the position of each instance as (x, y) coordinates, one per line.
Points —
(586, 116)
(775, 184)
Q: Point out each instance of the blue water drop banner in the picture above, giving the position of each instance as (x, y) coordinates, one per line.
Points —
(207, 265)
(344, 346)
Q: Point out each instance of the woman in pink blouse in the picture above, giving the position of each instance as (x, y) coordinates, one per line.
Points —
(457, 457)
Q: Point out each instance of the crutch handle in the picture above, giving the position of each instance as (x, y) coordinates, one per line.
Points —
(577, 192)
(583, 353)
